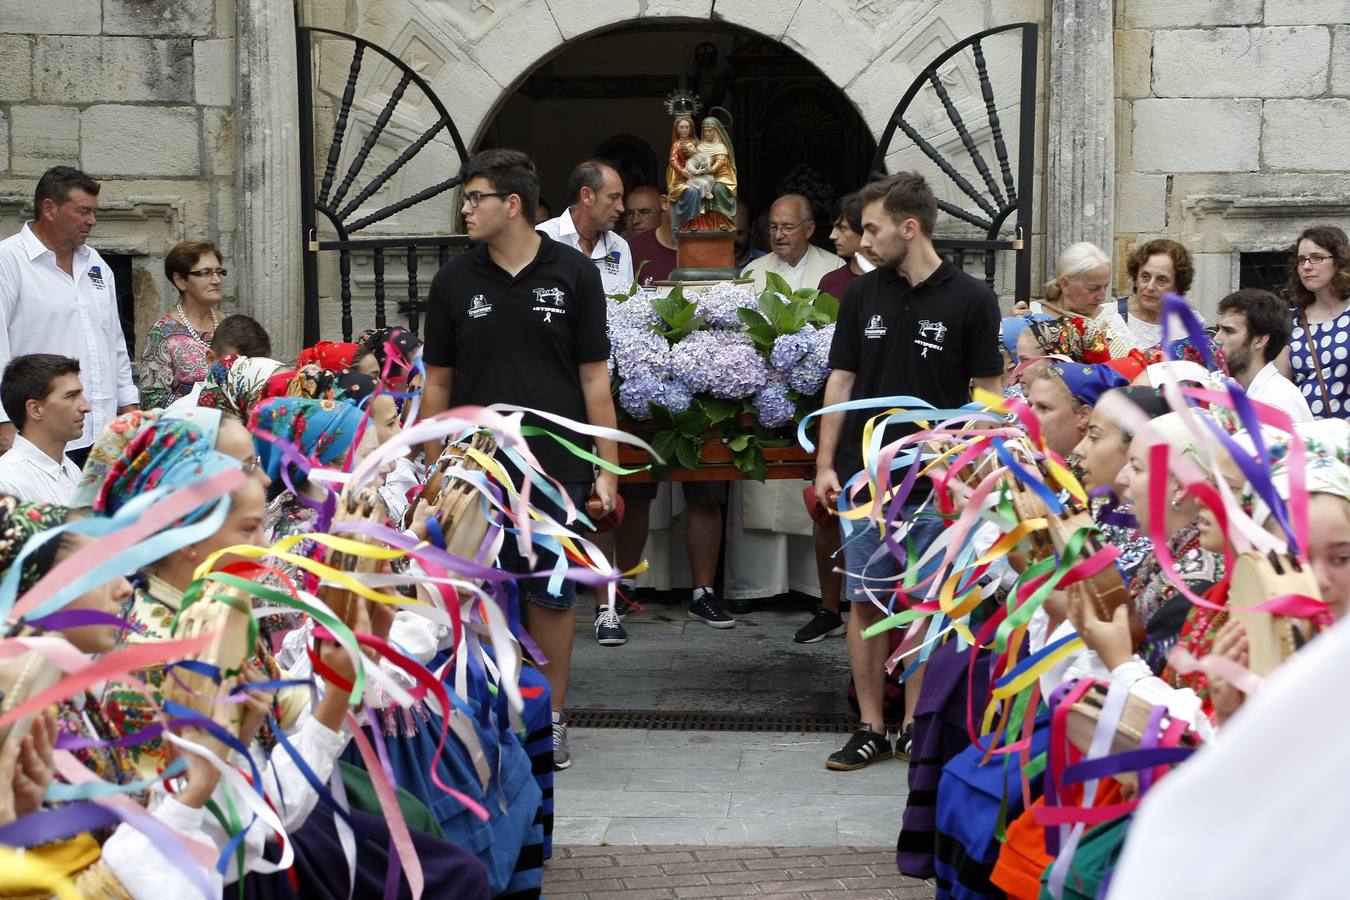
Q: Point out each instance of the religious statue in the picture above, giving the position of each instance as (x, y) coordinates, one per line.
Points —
(701, 181)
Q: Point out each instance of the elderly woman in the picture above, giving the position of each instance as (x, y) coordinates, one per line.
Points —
(176, 346)
(1156, 268)
(1319, 286)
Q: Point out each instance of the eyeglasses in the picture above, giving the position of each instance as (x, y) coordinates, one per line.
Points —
(1315, 258)
(644, 213)
(207, 273)
(775, 228)
(473, 198)
(252, 464)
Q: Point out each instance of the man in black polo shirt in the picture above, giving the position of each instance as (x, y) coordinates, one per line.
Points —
(916, 326)
(521, 319)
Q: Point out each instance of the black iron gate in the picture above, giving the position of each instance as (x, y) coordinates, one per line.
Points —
(339, 198)
(1000, 197)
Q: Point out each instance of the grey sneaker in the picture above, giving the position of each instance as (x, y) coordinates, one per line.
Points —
(609, 630)
(562, 754)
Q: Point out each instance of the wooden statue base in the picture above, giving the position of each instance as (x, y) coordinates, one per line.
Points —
(705, 250)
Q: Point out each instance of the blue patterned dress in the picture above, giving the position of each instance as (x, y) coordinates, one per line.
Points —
(1332, 340)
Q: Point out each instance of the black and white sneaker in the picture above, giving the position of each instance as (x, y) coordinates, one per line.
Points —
(823, 624)
(904, 742)
(609, 630)
(705, 609)
(864, 747)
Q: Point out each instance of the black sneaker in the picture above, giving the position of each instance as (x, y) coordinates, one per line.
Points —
(609, 631)
(904, 743)
(864, 747)
(742, 606)
(622, 605)
(823, 624)
(706, 610)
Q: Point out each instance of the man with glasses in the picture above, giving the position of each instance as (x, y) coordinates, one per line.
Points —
(801, 264)
(595, 198)
(642, 210)
(57, 296)
(653, 250)
(520, 319)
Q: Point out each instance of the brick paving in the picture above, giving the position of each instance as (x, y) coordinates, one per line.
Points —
(675, 872)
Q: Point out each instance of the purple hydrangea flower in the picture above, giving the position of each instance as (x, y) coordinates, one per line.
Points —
(636, 393)
(718, 304)
(788, 349)
(721, 363)
(640, 354)
(773, 405)
(634, 313)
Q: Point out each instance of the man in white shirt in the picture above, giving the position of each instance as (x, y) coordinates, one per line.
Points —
(42, 395)
(57, 296)
(595, 195)
(1253, 329)
(800, 263)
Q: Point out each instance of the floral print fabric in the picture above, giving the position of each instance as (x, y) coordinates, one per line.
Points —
(174, 361)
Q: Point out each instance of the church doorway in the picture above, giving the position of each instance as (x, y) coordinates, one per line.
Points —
(793, 130)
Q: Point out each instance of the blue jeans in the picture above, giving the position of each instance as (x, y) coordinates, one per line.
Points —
(535, 590)
(865, 539)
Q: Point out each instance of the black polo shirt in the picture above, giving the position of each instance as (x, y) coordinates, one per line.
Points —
(520, 339)
(926, 341)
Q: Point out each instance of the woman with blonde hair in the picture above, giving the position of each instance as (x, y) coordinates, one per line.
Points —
(1079, 290)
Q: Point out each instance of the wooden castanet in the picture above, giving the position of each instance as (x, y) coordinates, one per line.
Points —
(364, 505)
(1257, 578)
(1106, 589)
(229, 613)
(1081, 724)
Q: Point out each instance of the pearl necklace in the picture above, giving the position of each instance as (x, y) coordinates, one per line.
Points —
(182, 314)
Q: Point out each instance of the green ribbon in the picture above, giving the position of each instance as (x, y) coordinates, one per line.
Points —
(535, 431)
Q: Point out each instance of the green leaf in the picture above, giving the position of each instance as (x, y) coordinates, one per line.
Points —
(739, 442)
(775, 282)
(826, 306)
(718, 410)
(763, 336)
(751, 462)
(662, 418)
(692, 423)
(686, 451)
(663, 442)
(751, 317)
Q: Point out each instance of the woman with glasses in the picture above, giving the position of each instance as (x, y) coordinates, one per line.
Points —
(175, 348)
(1318, 356)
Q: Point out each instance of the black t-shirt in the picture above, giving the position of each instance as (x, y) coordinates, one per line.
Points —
(926, 341)
(520, 340)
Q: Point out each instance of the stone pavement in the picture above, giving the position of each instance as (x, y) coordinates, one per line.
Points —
(669, 872)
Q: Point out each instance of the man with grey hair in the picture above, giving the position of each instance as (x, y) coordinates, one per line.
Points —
(791, 225)
(595, 206)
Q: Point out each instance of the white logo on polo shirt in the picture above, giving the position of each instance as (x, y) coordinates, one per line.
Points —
(549, 301)
(935, 330)
(479, 307)
(876, 328)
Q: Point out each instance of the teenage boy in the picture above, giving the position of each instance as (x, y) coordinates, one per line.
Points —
(520, 319)
(42, 395)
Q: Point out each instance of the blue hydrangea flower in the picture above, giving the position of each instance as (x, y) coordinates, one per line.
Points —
(636, 393)
(721, 363)
(718, 304)
(788, 349)
(640, 354)
(772, 404)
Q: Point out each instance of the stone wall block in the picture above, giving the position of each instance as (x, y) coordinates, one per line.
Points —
(1196, 135)
(16, 68)
(1306, 135)
(213, 72)
(517, 44)
(4, 142)
(1189, 13)
(38, 17)
(768, 17)
(1307, 12)
(1241, 62)
(121, 69)
(579, 17)
(817, 31)
(1340, 61)
(42, 137)
(692, 9)
(1134, 63)
(1141, 203)
(185, 17)
(218, 141)
(140, 140)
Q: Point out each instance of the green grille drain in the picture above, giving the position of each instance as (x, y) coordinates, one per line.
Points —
(676, 720)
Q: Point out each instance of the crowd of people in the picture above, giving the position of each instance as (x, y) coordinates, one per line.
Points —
(267, 615)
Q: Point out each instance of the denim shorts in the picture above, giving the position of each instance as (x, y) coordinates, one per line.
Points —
(535, 590)
(865, 539)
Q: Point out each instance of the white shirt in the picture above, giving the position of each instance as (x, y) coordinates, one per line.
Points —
(1273, 389)
(44, 310)
(814, 265)
(610, 253)
(26, 472)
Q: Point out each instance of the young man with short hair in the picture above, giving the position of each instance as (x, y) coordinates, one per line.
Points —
(1254, 329)
(240, 335)
(42, 395)
(520, 319)
(918, 326)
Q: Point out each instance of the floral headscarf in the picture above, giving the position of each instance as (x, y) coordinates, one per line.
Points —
(18, 523)
(1326, 446)
(173, 453)
(316, 383)
(329, 355)
(107, 450)
(322, 430)
(1185, 349)
(1088, 383)
(377, 341)
(1081, 340)
(235, 384)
